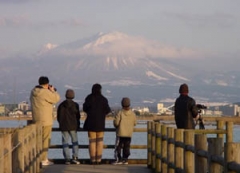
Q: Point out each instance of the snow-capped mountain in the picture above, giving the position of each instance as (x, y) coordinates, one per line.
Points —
(147, 71)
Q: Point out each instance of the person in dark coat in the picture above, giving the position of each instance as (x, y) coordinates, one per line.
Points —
(185, 109)
(96, 107)
(68, 117)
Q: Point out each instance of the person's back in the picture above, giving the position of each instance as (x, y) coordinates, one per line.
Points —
(185, 109)
(68, 116)
(124, 123)
(96, 107)
(42, 98)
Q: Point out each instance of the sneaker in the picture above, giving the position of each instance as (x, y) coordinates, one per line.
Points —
(68, 162)
(125, 162)
(117, 162)
(46, 163)
(75, 160)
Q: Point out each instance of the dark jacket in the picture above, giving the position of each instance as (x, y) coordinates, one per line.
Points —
(185, 110)
(68, 115)
(96, 107)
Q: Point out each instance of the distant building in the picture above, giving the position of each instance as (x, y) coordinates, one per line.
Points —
(142, 110)
(16, 113)
(161, 109)
(230, 110)
(211, 113)
(224, 110)
(2, 109)
(24, 106)
(11, 106)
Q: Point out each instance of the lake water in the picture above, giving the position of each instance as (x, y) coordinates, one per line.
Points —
(139, 138)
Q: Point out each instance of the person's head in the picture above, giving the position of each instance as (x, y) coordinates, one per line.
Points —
(125, 103)
(70, 94)
(183, 89)
(43, 81)
(96, 89)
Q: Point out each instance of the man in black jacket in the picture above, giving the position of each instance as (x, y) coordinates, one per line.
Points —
(68, 116)
(185, 109)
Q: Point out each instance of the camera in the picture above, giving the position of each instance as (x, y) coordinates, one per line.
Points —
(200, 119)
(50, 86)
(200, 107)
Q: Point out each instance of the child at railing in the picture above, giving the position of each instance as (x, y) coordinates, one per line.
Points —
(68, 116)
(124, 123)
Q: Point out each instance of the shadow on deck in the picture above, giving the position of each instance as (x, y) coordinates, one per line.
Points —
(104, 168)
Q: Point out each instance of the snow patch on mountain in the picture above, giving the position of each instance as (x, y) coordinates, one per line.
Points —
(221, 83)
(123, 82)
(152, 74)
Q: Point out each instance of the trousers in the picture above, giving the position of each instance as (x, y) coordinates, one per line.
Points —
(65, 142)
(95, 146)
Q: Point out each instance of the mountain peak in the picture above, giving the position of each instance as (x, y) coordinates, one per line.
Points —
(107, 38)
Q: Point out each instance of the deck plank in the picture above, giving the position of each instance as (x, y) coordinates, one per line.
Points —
(104, 168)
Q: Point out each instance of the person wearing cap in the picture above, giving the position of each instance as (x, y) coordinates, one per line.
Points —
(124, 121)
(185, 109)
(42, 98)
(96, 108)
(68, 117)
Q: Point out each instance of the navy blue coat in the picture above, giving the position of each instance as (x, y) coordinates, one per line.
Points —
(96, 107)
(185, 110)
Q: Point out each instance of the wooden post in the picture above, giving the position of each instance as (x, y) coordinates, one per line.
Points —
(201, 164)
(158, 147)
(232, 154)
(149, 144)
(31, 148)
(214, 148)
(179, 151)
(153, 145)
(220, 126)
(229, 135)
(26, 149)
(170, 149)
(189, 155)
(39, 146)
(34, 150)
(1, 154)
(7, 153)
(164, 149)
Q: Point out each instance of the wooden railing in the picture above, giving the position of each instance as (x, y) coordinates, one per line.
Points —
(169, 149)
(172, 150)
(20, 149)
(105, 146)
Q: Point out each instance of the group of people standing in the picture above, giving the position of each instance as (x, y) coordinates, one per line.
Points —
(44, 96)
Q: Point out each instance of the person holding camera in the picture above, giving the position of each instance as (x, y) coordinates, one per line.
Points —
(42, 98)
(185, 109)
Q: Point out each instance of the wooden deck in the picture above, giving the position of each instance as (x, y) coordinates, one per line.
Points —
(104, 168)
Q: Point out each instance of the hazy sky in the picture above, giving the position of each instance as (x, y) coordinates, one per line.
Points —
(205, 25)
